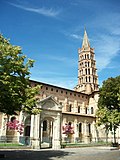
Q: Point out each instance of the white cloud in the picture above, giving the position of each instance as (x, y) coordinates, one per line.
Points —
(107, 43)
(43, 11)
(76, 36)
(106, 50)
(73, 35)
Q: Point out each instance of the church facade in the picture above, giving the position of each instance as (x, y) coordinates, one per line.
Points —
(66, 115)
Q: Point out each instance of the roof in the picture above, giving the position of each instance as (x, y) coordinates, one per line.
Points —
(85, 43)
(57, 87)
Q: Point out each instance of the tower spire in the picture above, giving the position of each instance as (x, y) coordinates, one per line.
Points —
(87, 71)
(85, 43)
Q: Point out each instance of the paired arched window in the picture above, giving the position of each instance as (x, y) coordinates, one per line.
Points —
(70, 108)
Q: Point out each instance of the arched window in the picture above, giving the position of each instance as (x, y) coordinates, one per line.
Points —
(86, 79)
(70, 108)
(95, 80)
(80, 72)
(27, 126)
(86, 110)
(44, 125)
(89, 128)
(78, 109)
(92, 111)
(80, 127)
(89, 78)
(80, 80)
(86, 71)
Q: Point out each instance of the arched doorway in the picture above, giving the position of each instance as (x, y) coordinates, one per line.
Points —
(27, 131)
(27, 126)
(48, 124)
(46, 132)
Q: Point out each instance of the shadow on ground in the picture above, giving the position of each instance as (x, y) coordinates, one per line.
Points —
(32, 155)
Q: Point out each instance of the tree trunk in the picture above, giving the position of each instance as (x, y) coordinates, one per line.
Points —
(106, 131)
(114, 133)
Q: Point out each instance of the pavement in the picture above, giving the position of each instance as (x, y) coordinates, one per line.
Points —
(88, 153)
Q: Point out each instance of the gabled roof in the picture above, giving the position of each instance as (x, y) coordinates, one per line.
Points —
(57, 87)
(48, 98)
(49, 103)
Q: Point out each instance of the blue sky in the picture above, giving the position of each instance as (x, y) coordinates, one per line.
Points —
(51, 31)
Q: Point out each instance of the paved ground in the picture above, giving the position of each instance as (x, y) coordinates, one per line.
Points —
(96, 153)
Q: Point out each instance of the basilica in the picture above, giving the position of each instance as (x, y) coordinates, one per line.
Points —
(66, 115)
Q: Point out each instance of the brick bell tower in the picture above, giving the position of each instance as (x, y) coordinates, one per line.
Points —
(87, 71)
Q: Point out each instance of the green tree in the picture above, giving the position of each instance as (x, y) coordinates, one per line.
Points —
(109, 105)
(114, 120)
(103, 119)
(16, 93)
(109, 93)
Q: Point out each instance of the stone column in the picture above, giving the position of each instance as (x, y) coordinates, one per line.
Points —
(35, 119)
(66, 105)
(41, 131)
(57, 132)
(76, 134)
(86, 134)
(31, 128)
(94, 132)
(64, 120)
(75, 106)
(83, 107)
